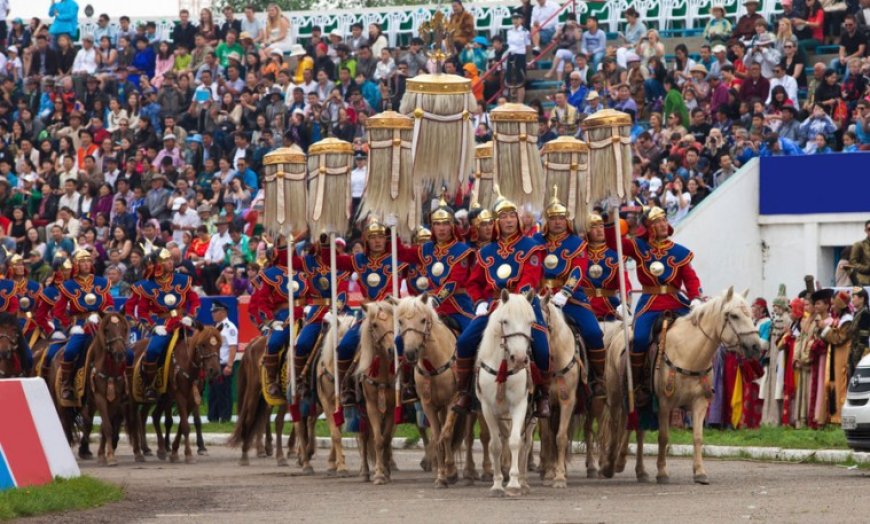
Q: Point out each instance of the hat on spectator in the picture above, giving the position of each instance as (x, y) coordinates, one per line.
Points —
(747, 2)
(276, 90)
(222, 220)
(12, 49)
(75, 114)
(203, 208)
(698, 68)
(245, 36)
(168, 136)
(296, 50)
(593, 94)
(340, 242)
(360, 155)
(195, 138)
(719, 7)
(18, 20)
(517, 13)
(631, 56)
(481, 41)
(88, 37)
(276, 51)
(791, 109)
(30, 177)
(719, 48)
(177, 203)
(159, 176)
(336, 33)
(218, 306)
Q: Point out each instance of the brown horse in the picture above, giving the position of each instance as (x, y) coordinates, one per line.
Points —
(192, 354)
(376, 375)
(12, 347)
(253, 411)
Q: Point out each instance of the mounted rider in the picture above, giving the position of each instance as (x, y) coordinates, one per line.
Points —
(564, 267)
(513, 261)
(270, 305)
(375, 271)
(669, 282)
(161, 300)
(318, 282)
(415, 276)
(27, 292)
(82, 299)
(61, 271)
(482, 224)
(601, 280)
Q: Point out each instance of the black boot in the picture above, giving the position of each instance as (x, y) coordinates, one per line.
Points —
(409, 389)
(270, 364)
(301, 379)
(542, 398)
(67, 370)
(348, 384)
(638, 376)
(464, 372)
(596, 359)
(149, 372)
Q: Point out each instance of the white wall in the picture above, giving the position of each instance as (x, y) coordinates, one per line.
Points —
(114, 8)
(734, 245)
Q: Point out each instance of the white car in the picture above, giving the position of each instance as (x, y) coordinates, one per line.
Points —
(855, 417)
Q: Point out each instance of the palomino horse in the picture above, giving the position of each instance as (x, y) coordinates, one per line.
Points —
(683, 373)
(376, 375)
(192, 354)
(325, 385)
(565, 366)
(253, 411)
(429, 347)
(11, 347)
(506, 345)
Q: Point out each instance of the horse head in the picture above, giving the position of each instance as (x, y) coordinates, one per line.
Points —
(10, 338)
(207, 351)
(377, 336)
(510, 329)
(416, 317)
(731, 318)
(114, 332)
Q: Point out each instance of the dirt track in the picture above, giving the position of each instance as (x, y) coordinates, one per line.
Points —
(216, 489)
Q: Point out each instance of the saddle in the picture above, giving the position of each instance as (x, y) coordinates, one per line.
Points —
(452, 324)
(137, 388)
(79, 380)
(283, 377)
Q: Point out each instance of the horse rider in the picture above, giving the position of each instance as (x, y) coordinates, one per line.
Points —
(415, 276)
(318, 283)
(668, 281)
(374, 268)
(27, 292)
(165, 300)
(482, 223)
(601, 279)
(513, 261)
(61, 271)
(82, 299)
(564, 267)
(270, 304)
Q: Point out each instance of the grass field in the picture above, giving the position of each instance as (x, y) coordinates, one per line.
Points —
(62, 494)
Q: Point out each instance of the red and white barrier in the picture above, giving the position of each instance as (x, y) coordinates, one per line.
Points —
(33, 448)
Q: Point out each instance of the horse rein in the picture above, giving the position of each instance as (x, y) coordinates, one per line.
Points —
(425, 335)
(738, 334)
(504, 338)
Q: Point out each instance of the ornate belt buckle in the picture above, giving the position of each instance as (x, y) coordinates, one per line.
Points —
(663, 290)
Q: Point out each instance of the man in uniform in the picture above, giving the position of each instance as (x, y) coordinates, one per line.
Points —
(482, 224)
(48, 297)
(270, 303)
(82, 299)
(860, 328)
(415, 277)
(27, 292)
(162, 299)
(513, 261)
(564, 267)
(669, 282)
(601, 279)
(220, 401)
(375, 271)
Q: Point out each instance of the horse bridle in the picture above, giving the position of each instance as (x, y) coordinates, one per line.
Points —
(427, 326)
(738, 334)
(504, 339)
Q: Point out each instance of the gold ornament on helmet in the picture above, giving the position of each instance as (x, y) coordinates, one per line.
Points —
(478, 215)
(374, 227)
(657, 268)
(15, 259)
(592, 220)
(422, 235)
(654, 214)
(502, 204)
(81, 254)
(556, 208)
(163, 255)
(443, 214)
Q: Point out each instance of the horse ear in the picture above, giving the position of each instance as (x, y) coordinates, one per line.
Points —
(530, 295)
(504, 295)
(730, 294)
(424, 298)
(745, 293)
(365, 308)
(392, 300)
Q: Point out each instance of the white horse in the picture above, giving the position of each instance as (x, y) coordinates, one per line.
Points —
(682, 375)
(326, 391)
(507, 342)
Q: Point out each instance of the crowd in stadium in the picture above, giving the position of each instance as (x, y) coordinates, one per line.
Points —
(119, 140)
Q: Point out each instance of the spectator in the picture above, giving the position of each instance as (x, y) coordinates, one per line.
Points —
(718, 28)
(66, 18)
(745, 28)
(462, 21)
(774, 145)
(220, 401)
(544, 23)
(813, 25)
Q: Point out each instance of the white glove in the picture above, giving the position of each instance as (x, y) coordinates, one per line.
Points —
(695, 303)
(277, 325)
(58, 335)
(391, 220)
(306, 310)
(328, 317)
(354, 276)
(482, 309)
(76, 330)
(160, 331)
(187, 321)
(93, 318)
(559, 299)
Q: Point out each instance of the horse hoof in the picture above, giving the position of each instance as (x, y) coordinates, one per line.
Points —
(331, 473)
(426, 465)
(547, 482)
(111, 462)
(202, 452)
(453, 479)
(365, 477)
(267, 450)
(244, 462)
(496, 492)
(663, 480)
(161, 455)
(147, 453)
(514, 492)
(379, 480)
(701, 479)
(440, 484)
(606, 473)
(591, 473)
(525, 489)
(189, 459)
(342, 473)
(486, 477)
(468, 481)
(308, 471)
(262, 454)
(281, 461)
(86, 455)
(560, 484)
(174, 458)
(394, 466)
(139, 458)
(102, 461)
(643, 478)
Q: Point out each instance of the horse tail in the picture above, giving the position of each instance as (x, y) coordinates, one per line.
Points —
(458, 432)
(252, 405)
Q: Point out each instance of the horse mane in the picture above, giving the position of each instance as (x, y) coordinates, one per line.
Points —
(327, 352)
(515, 308)
(367, 349)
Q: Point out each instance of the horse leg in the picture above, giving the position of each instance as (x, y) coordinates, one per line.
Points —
(525, 452)
(547, 471)
(280, 459)
(107, 434)
(133, 430)
(639, 469)
(364, 444)
(389, 427)
(495, 449)
(337, 446)
(518, 416)
(428, 449)
(312, 436)
(565, 413)
(439, 446)
(156, 418)
(142, 414)
(699, 411)
(664, 430)
(302, 446)
(485, 439)
(197, 423)
(167, 421)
